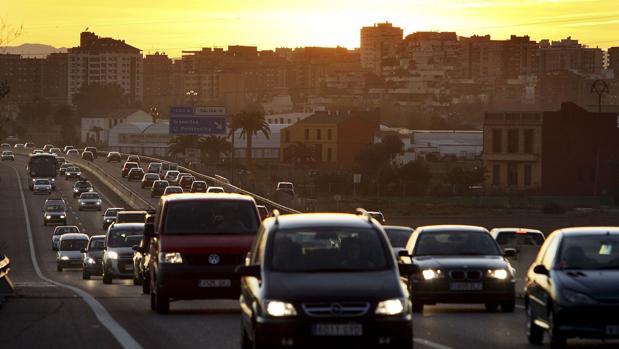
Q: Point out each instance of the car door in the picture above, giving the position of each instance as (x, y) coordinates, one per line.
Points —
(540, 289)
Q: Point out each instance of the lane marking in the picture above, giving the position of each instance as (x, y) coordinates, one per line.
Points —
(120, 334)
(430, 344)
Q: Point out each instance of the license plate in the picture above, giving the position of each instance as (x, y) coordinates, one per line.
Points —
(337, 330)
(214, 283)
(129, 267)
(612, 330)
(466, 286)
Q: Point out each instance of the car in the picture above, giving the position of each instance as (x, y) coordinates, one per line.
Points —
(92, 259)
(172, 189)
(118, 255)
(89, 201)
(135, 173)
(285, 188)
(180, 175)
(110, 216)
(42, 186)
(56, 151)
(7, 155)
(61, 230)
(74, 153)
(133, 158)
(572, 286)
(88, 156)
(215, 190)
(185, 182)
(63, 168)
(131, 216)
(264, 212)
(72, 171)
(141, 260)
(459, 264)
(93, 150)
(148, 179)
(82, 186)
(378, 216)
(29, 145)
(154, 167)
(168, 166)
(38, 151)
(113, 156)
(171, 175)
(128, 166)
(55, 211)
(5, 146)
(398, 237)
(67, 148)
(19, 146)
(47, 147)
(69, 253)
(312, 277)
(526, 243)
(60, 160)
(158, 188)
(196, 243)
(198, 187)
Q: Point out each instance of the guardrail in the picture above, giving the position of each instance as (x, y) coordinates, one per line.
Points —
(6, 286)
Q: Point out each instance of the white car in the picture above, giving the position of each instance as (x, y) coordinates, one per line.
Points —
(42, 186)
(60, 231)
(70, 248)
(73, 153)
(89, 201)
(7, 155)
(215, 190)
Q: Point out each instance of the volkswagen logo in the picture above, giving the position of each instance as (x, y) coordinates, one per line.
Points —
(336, 308)
(214, 259)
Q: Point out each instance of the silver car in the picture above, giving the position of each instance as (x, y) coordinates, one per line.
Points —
(69, 253)
(89, 201)
(61, 230)
(42, 186)
(73, 172)
(118, 255)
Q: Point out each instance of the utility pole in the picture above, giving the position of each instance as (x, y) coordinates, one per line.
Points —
(599, 87)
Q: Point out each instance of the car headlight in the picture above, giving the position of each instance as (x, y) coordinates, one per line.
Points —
(280, 309)
(573, 297)
(62, 217)
(90, 189)
(90, 260)
(64, 258)
(112, 255)
(98, 202)
(107, 220)
(48, 217)
(75, 190)
(391, 307)
(430, 274)
(500, 274)
(82, 203)
(170, 257)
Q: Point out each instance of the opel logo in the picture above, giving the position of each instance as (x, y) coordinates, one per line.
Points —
(336, 308)
(214, 259)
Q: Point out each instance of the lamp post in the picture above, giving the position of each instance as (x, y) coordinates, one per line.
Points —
(154, 112)
(192, 96)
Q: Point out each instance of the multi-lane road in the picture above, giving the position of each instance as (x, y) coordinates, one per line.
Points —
(59, 309)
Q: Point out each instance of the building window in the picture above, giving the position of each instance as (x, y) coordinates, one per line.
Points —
(329, 135)
(496, 174)
(318, 134)
(512, 141)
(497, 140)
(512, 174)
(528, 141)
(329, 154)
(307, 134)
(528, 175)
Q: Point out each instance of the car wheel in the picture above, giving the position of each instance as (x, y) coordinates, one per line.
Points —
(58, 268)
(557, 339)
(508, 307)
(106, 277)
(85, 275)
(491, 307)
(417, 307)
(535, 334)
(158, 302)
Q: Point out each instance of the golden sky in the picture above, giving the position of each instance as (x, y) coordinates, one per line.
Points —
(173, 26)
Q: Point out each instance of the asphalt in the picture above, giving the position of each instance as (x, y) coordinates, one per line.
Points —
(45, 315)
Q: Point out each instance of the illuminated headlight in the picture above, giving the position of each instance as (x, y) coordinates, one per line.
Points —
(64, 258)
(82, 203)
(429, 274)
(500, 274)
(48, 217)
(170, 257)
(280, 309)
(391, 307)
(53, 179)
(90, 261)
(75, 190)
(107, 220)
(112, 255)
(62, 217)
(90, 189)
(98, 202)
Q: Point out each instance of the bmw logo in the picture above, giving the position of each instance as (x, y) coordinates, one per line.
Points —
(214, 259)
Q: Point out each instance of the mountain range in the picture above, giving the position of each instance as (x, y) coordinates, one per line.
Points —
(32, 50)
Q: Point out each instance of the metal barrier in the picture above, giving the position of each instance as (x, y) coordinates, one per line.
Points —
(6, 286)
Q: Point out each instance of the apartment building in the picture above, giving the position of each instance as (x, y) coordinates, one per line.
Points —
(379, 41)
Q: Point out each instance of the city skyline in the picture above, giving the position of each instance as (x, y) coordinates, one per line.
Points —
(159, 26)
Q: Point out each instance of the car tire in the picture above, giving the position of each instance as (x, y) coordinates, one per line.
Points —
(85, 275)
(557, 339)
(491, 307)
(417, 307)
(106, 277)
(58, 268)
(158, 302)
(508, 307)
(535, 334)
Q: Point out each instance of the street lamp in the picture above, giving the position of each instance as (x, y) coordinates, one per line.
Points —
(193, 96)
(154, 112)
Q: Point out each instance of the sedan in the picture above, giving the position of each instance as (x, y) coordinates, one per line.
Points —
(110, 216)
(42, 186)
(398, 237)
(172, 189)
(572, 288)
(90, 201)
(135, 173)
(127, 167)
(215, 190)
(198, 187)
(81, 186)
(73, 153)
(113, 156)
(7, 155)
(148, 180)
(63, 168)
(158, 188)
(171, 175)
(72, 172)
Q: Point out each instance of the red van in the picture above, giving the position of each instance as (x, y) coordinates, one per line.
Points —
(197, 241)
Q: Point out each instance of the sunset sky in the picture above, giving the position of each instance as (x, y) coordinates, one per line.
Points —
(173, 26)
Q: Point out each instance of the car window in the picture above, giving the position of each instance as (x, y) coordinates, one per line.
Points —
(398, 237)
(65, 230)
(89, 196)
(211, 217)
(550, 253)
(41, 181)
(131, 218)
(73, 244)
(327, 249)
(54, 208)
(123, 237)
(112, 212)
(455, 242)
(96, 245)
(591, 252)
(509, 238)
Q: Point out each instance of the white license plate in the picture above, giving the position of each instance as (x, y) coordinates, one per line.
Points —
(214, 283)
(337, 330)
(612, 330)
(129, 267)
(466, 286)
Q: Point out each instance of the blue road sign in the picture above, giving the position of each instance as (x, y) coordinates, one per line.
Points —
(196, 121)
(181, 111)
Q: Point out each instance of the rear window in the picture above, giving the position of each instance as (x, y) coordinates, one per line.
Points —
(131, 218)
(514, 239)
(398, 237)
(73, 244)
(112, 212)
(96, 245)
(211, 217)
(66, 230)
(454, 242)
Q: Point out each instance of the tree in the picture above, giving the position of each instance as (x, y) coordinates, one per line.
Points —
(100, 97)
(251, 122)
(299, 153)
(415, 176)
(462, 178)
(213, 147)
(393, 145)
(179, 144)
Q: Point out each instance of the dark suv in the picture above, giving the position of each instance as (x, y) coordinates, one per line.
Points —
(81, 186)
(197, 242)
(55, 212)
(93, 255)
(324, 279)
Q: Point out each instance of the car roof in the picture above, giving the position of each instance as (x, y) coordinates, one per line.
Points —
(450, 227)
(90, 192)
(303, 220)
(132, 211)
(96, 237)
(397, 227)
(65, 226)
(584, 231)
(199, 182)
(126, 225)
(74, 236)
(116, 208)
(497, 231)
(189, 197)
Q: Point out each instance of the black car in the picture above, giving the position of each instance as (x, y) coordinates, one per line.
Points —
(81, 186)
(141, 259)
(72, 172)
(135, 173)
(93, 256)
(398, 237)
(459, 264)
(110, 216)
(316, 279)
(198, 187)
(93, 150)
(148, 179)
(88, 156)
(158, 188)
(113, 156)
(55, 212)
(572, 288)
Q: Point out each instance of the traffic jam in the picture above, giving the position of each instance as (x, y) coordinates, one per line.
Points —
(309, 279)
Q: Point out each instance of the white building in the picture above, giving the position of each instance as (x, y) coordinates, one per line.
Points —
(460, 144)
(95, 126)
(286, 118)
(141, 137)
(405, 136)
(262, 147)
(105, 60)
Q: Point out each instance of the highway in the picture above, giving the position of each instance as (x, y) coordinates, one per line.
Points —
(44, 313)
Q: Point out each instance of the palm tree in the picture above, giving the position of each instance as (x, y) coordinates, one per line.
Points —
(214, 147)
(179, 144)
(96, 130)
(300, 153)
(251, 122)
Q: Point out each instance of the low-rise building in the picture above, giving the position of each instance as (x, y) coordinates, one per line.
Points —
(95, 126)
(467, 144)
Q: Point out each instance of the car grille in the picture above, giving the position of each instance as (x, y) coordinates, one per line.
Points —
(122, 264)
(465, 274)
(203, 259)
(336, 309)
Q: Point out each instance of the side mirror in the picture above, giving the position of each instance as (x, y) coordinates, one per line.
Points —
(249, 270)
(509, 252)
(403, 253)
(83, 250)
(149, 230)
(408, 269)
(540, 269)
(135, 248)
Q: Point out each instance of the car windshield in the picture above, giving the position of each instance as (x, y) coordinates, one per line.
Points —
(138, 217)
(113, 212)
(328, 250)
(285, 186)
(54, 208)
(42, 182)
(170, 190)
(589, 252)
(453, 242)
(66, 230)
(151, 176)
(211, 217)
(96, 245)
(73, 169)
(519, 238)
(123, 237)
(73, 244)
(82, 184)
(398, 237)
(89, 196)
